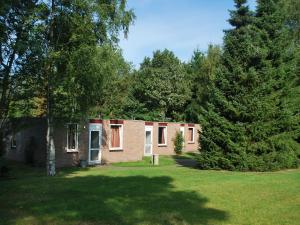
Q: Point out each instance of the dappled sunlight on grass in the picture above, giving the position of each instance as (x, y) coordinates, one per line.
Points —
(108, 200)
(149, 195)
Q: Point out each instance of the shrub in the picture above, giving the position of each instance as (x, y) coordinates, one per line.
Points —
(178, 143)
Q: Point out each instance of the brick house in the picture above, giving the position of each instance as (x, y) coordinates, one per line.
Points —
(100, 141)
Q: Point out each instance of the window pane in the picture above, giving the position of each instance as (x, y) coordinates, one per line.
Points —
(191, 134)
(72, 131)
(148, 137)
(161, 135)
(94, 155)
(115, 136)
(95, 139)
(13, 142)
(148, 149)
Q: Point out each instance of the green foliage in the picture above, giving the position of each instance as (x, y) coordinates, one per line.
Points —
(291, 12)
(161, 90)
(70, 52)
(84, 56)
(202, 71)
(19, 46)
(116, 82)
(178, 143)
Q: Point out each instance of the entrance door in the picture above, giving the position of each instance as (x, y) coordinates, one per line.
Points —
(95, 134)
(148, 140)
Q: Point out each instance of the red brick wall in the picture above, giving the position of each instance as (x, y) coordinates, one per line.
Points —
(172, 128)
(133, 142)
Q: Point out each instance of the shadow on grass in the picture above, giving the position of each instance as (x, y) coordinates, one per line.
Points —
(98, 199)
(186, 160)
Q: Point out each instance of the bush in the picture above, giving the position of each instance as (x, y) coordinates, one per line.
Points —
(178, 143)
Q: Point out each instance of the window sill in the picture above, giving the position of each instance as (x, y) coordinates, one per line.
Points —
(191, 142)
(71, 150)
(116, 149)
(162, 145)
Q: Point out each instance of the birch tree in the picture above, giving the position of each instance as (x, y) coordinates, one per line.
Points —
(75, 30)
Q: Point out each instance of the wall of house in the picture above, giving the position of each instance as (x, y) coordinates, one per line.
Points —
(63, 158)
(172, 128)
(132, 149)
(24, 130)
(133, 142)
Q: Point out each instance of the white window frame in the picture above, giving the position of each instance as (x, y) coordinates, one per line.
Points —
(76, 138)
(193, 141)
(12, 144)
(121, 137)
(166, 136)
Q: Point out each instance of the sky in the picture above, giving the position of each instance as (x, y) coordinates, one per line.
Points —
(178, 25)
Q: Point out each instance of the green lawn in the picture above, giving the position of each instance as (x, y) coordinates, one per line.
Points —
(138, 193)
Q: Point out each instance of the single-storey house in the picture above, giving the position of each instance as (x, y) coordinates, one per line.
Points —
(99, 141)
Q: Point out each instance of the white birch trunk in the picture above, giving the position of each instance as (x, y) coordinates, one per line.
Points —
(50, 148)
(50, 141)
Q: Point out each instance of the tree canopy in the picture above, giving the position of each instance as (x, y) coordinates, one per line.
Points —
(247, 124)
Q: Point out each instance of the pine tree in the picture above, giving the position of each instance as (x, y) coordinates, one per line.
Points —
(201, 71)
(246, 123)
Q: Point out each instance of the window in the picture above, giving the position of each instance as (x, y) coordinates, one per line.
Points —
(116, 137)
(191, 135)
(13, 141)
(72, 137)
(162, 135)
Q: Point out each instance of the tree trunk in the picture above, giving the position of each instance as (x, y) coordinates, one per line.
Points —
(50, 148)
(49, 70)
(5, 90)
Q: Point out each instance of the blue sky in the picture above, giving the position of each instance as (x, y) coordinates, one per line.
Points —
(178, 25)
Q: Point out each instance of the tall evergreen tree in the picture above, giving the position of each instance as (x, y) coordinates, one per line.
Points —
(246, 123)
(201, 70)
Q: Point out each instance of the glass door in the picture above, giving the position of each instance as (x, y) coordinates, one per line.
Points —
(95, 143)
(148, 140)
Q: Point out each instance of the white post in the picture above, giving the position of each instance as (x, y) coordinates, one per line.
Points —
(155, 159)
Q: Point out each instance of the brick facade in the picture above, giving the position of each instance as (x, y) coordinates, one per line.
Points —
(132, 147)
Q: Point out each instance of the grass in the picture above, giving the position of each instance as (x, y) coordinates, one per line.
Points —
(163, 161)
(143, 194)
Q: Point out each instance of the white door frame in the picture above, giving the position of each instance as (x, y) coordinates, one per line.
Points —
(148, 128)
(95, 127)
